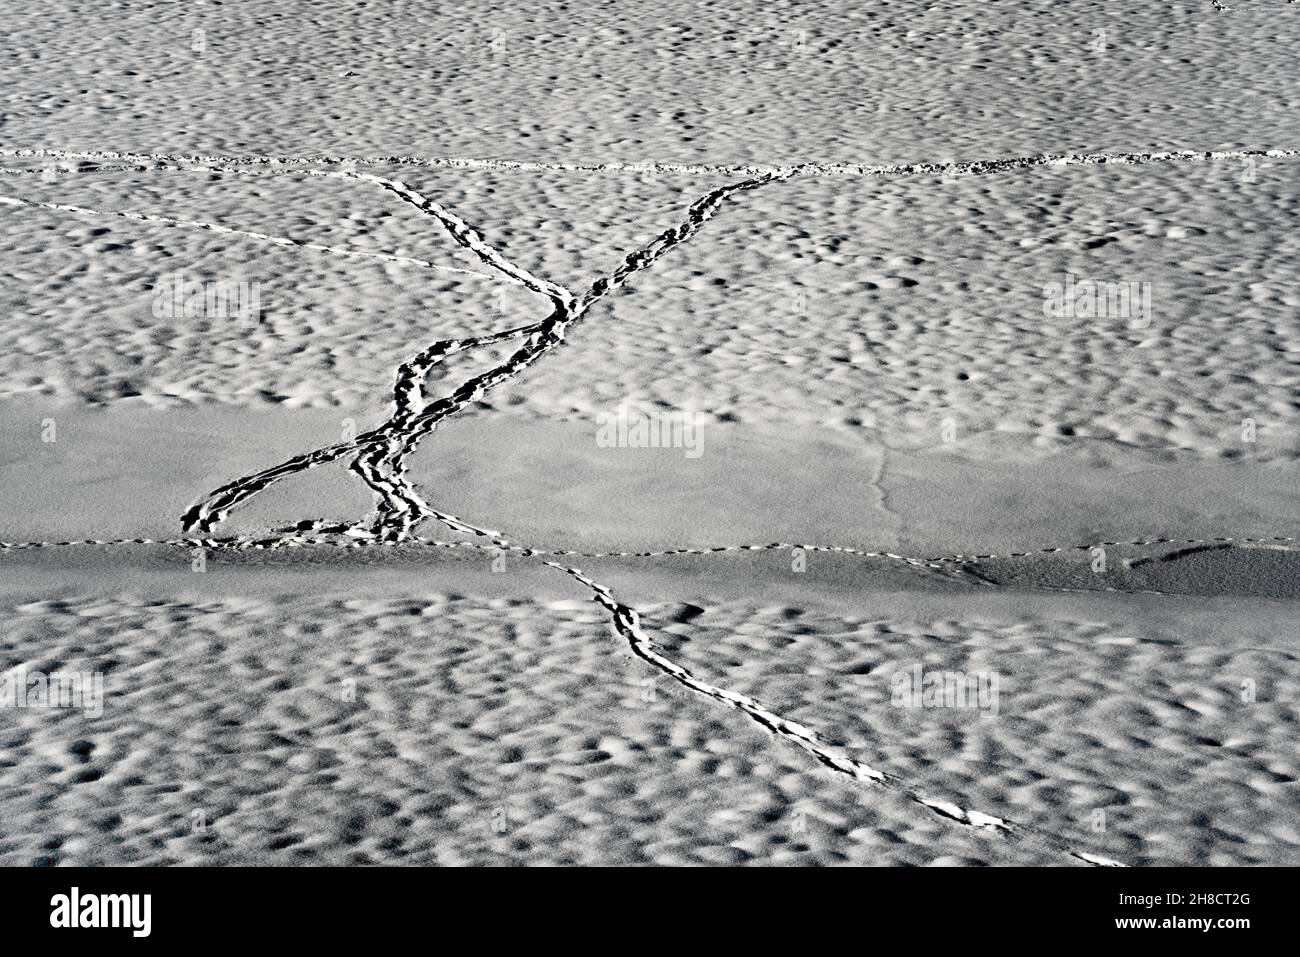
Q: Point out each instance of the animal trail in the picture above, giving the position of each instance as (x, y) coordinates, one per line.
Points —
(378, 457)
(627, 623)
(382, 452)
(283, 165)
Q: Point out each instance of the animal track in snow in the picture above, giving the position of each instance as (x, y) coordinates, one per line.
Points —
(378, 457)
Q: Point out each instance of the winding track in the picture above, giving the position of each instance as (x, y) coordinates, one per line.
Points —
(379, 456)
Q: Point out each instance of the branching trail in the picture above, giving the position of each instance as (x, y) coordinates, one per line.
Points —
(378, 457)
(381, 452)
